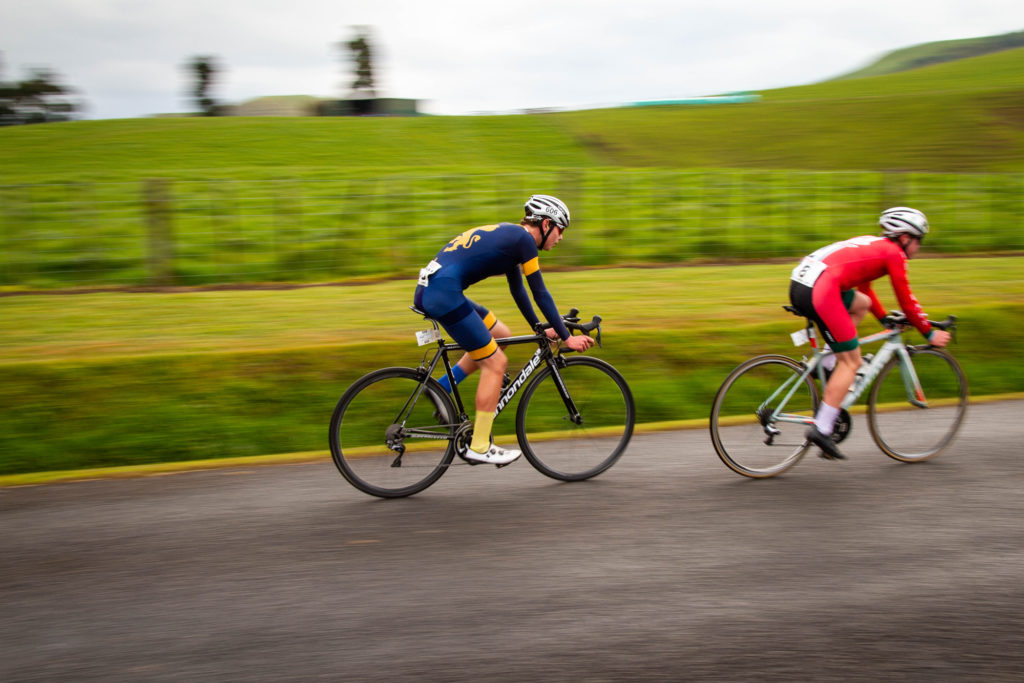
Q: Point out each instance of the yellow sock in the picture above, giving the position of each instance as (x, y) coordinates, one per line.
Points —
(482, 432)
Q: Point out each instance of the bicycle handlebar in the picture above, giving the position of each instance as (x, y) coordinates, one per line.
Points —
(898, 319)
(572, 322)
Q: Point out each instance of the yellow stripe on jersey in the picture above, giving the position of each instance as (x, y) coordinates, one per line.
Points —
(531, 266)
(484, 352)
(490, 320)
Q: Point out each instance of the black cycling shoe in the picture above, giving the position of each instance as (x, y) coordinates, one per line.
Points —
(829, 449)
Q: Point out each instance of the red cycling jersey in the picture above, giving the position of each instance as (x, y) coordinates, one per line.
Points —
(854, 263)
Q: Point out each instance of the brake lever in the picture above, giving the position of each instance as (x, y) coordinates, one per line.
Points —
(895, 319)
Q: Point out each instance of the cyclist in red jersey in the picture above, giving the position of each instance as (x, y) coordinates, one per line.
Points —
(832, 286)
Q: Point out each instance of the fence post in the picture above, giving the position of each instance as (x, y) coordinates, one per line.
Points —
(894, 190)
(157, 199)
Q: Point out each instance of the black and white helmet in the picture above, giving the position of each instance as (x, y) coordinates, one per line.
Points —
(541, 206)
(901, 220)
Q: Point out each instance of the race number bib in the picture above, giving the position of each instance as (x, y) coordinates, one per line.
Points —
(808, 271)
(800, 337)
(427, 336)
(425, 273)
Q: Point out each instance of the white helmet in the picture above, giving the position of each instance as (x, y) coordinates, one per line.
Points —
(546, 206)
(901, 220)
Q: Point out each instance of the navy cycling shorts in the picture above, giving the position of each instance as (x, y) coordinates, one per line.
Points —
(468, 323)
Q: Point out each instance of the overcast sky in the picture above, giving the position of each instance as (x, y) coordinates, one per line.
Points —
(126, 57)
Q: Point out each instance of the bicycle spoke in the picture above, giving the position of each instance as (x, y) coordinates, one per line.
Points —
(907, 428)
(745, 429)
(581, 437)
(385, 458)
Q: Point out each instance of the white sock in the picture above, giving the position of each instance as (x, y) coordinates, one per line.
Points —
(825, 420)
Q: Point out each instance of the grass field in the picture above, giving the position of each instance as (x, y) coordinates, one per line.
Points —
(120, 379)
(314, 199)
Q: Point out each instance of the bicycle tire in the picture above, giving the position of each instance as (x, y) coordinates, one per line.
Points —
(365, 417)
(740, 413)
(910, 433)
(562, 449)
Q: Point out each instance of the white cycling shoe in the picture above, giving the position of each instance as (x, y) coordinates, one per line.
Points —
(495, 455)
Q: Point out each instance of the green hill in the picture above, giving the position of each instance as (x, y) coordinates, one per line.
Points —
(927, 54)
(958, 116)
(964, 115)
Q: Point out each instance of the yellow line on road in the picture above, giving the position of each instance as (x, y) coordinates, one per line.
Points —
(166, 468)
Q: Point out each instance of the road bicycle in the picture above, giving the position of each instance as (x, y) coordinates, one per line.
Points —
(917, 402)
(395, 431)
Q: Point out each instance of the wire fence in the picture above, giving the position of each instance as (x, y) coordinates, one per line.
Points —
(203, 231)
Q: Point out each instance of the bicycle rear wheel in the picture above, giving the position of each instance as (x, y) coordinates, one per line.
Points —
(573, 449)
(378, 416)
(908, 432)
(759, 416)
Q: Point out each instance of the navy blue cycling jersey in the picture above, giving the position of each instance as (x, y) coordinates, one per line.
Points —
(491, 250)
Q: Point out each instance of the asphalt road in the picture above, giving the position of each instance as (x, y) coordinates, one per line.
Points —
(667, 567)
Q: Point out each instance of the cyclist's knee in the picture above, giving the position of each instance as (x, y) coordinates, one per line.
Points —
(860, 306)
(850, 358)
(496, 362)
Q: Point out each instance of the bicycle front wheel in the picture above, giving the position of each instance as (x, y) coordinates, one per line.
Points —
(759, 416)
(388, 438)
(574, 425)
(912, 428)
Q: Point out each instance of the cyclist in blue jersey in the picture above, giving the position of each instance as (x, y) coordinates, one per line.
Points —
(504, 249)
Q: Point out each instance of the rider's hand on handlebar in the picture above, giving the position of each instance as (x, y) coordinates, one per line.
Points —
(939, 338)
(579, 342)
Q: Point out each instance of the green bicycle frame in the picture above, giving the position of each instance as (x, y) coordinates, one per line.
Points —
(893, 345)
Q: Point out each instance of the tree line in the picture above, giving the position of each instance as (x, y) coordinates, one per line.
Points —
(38, 98)
(41, 98)
(359, 49)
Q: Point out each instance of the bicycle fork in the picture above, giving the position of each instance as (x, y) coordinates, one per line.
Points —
(574, 414)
